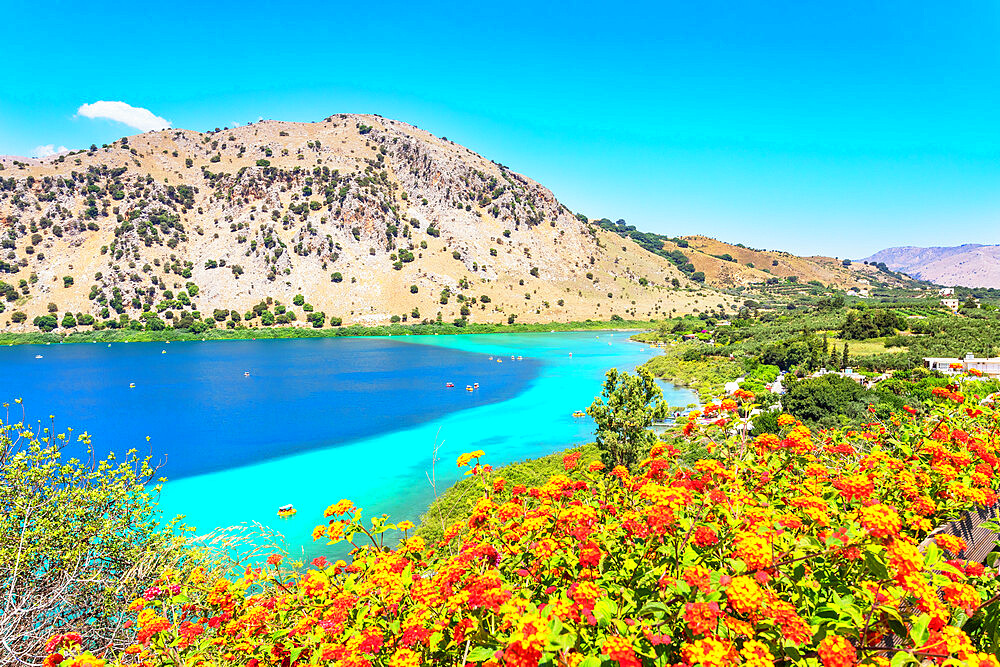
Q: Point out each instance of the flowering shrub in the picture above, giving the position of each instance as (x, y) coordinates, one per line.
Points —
(77, 538)
(797, 548)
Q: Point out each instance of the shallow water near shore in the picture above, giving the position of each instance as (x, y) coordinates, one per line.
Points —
(318, 420)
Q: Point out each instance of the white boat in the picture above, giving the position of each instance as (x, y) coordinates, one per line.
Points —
(38, 356)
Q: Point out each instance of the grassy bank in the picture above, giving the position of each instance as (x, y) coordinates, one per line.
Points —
(457, 501)
(707, 375)
(133, 336)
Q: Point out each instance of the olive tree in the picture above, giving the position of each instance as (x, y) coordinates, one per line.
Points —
(626, 409)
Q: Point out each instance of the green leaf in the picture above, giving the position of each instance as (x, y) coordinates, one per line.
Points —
(854, 613)
(590, 661)
(902, 658)
(604, 610)
(792, 652)
(897, 627)
(481, 654)
(918, 629)
(655, 607)
(876, 565)
(932, 554)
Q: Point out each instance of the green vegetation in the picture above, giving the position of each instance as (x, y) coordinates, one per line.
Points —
(871, 323)
(87, 541)
(694, 365)
(80, 540)
(699, 353)
(248, 333)
(627, 407)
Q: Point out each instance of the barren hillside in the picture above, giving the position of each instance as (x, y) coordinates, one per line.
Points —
(354, 217)
(969, 265)
(728, 265)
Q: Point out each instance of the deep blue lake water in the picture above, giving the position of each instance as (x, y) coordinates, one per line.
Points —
(319, 419)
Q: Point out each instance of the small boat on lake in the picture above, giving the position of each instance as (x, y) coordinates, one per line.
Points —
(475, 385)
(38, 356)
(131, 385)
(520, 358)
(449, 384)
(468, 387)
(286, 511)
(246, 374)
(579, 413)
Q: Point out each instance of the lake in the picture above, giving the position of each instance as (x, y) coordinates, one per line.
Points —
(320, 419)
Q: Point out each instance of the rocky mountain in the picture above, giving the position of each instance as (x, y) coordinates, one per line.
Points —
(969, 265)
(354, 218)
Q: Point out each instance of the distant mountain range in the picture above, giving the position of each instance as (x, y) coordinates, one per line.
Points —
(968, 265)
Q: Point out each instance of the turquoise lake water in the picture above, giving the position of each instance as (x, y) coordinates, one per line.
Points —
(318, 420)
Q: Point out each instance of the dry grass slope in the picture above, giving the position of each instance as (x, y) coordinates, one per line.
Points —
(756, 266)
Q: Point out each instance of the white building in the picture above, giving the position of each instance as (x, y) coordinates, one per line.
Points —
(950, 303)
(988, 366)
(946, 291)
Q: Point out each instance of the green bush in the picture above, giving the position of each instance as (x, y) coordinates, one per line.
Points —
(78, 541)
(46, 322)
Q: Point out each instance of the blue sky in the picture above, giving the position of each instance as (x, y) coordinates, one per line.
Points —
(835, 128)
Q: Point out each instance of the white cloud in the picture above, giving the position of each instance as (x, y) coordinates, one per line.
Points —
(47, 150)
(141, 119)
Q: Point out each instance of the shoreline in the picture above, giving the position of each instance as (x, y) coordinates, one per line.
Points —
(352, 331)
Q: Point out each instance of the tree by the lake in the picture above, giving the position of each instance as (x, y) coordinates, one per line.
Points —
(626, 409)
